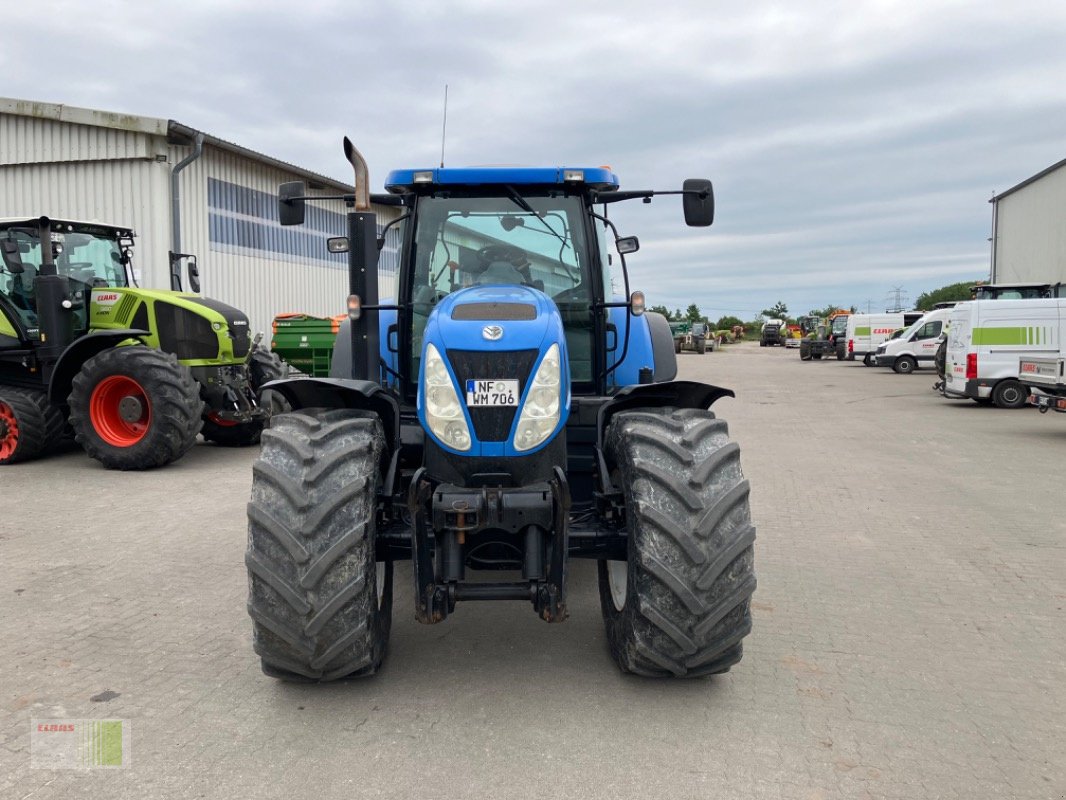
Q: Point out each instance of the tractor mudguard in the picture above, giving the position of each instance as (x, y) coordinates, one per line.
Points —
(80, 351)
(343, 393)
(673, 394)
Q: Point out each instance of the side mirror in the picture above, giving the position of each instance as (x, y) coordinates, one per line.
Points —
(291, 203)
(698, 202)
(627, 244)
(194, 275)
(9, 248)
(337, 244)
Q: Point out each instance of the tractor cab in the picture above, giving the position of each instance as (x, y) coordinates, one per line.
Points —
(89, 255)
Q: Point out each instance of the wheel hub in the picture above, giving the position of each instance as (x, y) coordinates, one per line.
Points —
(130, 409)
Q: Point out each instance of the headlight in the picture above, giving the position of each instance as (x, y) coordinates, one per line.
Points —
(444, 414)
(540, 414)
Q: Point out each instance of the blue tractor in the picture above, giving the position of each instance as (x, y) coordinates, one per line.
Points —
(511, 408)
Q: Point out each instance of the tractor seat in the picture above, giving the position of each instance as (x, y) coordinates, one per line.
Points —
(501, 272)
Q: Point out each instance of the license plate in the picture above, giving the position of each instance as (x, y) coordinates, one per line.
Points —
(491, 393)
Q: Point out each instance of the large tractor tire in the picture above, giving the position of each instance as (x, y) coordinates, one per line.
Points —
(842, 352)
(321, 604)
(805, 350)
(681, 604)
(264, 367)
(701, 346)
(30, 425)
(135, 408)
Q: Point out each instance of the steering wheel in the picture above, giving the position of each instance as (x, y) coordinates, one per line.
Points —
(502, 252)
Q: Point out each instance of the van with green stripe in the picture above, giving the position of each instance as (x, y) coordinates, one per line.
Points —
(988, 338)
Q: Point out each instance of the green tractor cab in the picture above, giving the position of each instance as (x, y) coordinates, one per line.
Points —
(134, 374)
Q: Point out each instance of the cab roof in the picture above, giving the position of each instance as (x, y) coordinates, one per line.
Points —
(407, 180)
(31, 222)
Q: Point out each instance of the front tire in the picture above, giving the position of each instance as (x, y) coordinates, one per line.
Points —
(805, 350)
(680, 606)
(135, 408)
(701, 346)
(320, 603)
(904, 365)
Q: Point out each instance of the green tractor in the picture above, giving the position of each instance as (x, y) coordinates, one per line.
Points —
(132, 374)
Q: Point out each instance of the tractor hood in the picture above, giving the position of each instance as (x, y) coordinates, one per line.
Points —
(192, 327)
(500, 317)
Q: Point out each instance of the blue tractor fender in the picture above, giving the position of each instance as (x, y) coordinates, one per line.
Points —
(651, 346)
(343, 393)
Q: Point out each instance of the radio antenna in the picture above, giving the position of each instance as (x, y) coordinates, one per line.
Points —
(444, 128)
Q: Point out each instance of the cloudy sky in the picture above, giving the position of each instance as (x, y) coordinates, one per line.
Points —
(853, 145)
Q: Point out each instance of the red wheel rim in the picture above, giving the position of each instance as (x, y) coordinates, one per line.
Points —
(106, 413)
(9, 427)
(216, 418)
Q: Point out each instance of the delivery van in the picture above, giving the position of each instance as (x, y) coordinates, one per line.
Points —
(916, 346)
(988, 338)
(866, 331)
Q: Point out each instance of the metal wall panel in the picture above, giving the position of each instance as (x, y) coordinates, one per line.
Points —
(29, 140)
(119, 192)
(1030, 237)
(64, 169)
(260, 282)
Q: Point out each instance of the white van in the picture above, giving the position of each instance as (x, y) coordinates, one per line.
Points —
(915, 346)
(866, 331)
(988, 338)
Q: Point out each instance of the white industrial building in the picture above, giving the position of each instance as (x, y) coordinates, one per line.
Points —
(1029, 229)
(78, 163)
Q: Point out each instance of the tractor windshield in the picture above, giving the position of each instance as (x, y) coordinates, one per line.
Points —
(536, 241)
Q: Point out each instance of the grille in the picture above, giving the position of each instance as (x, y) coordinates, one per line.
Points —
(494, 311)
(185, 334)
(492, 424)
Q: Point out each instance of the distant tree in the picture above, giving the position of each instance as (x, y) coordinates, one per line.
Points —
(727, 322)
(661, 310)
(777, 311)
(945, 294)
(693, 313)
(677, 316)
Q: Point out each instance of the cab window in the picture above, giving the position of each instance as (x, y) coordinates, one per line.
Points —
(929, 330)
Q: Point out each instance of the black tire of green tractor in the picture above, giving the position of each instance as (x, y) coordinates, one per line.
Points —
(690, 571)
(677, 345)
(842, 352)
(805, 350)
(267, 366)
(318, 609)
(904, 365)
(701, 346)
(30, 425)
(1010, 394)
(172, 397)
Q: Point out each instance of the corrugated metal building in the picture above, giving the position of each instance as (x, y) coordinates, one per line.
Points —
(1029, 229)
(80, 163)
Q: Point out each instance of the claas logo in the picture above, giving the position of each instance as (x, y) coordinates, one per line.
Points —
(106, 298)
